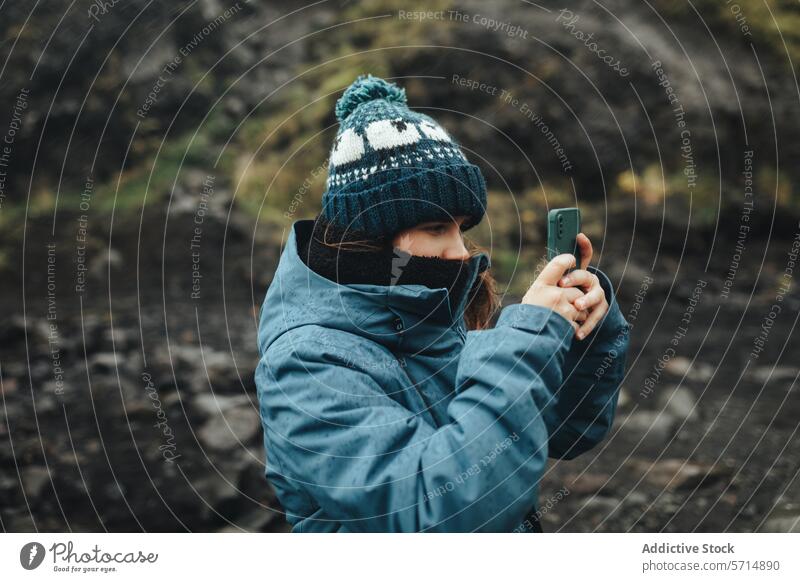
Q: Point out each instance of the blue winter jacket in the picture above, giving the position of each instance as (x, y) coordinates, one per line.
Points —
(381, 412)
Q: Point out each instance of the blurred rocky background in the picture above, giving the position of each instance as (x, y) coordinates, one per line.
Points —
(154, 155)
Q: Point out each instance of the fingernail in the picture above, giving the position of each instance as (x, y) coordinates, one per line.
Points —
(565, 281)
(580, 335)
(579, 303)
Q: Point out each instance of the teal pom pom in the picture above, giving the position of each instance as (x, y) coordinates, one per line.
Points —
(367, 88)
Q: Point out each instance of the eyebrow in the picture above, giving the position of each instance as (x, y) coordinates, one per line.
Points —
(439, 222)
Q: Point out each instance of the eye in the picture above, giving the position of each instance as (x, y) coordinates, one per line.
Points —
(437, 228)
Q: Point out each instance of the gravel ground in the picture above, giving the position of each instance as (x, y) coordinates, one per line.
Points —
(155, 425)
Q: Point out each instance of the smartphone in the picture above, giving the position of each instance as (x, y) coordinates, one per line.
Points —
(563, 226)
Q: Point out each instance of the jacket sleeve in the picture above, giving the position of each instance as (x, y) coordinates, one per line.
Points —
(372, 464)
(587, 400)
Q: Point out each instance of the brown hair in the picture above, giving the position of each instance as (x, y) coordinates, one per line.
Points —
(484, 299)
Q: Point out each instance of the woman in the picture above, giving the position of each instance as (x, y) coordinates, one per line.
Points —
(388, 403)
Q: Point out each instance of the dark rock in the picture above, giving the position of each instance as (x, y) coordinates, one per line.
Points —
(235, 428)
(198, 369)
(260, 520)
(700, 372)
(678, 474)
(107, 259)
(34, 480)
(651, 427)
(764, 374)
(213, 404)
(783, 519)
(679, 402)
(586, 483)
(17, 328)
(105, 363)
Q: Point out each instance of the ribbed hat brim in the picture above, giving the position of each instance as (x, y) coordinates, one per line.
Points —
(439, 193)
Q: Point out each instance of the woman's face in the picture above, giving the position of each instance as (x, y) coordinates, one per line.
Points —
(441, 239)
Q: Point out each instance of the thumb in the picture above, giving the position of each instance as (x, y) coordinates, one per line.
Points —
(555, 269)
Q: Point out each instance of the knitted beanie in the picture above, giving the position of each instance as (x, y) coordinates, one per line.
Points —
(391, 168)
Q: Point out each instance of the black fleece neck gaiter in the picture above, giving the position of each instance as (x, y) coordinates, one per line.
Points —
(352, 263)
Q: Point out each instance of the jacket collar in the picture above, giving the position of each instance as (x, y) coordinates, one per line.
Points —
(390, 314)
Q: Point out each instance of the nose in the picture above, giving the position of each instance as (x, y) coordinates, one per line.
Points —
(457, 250)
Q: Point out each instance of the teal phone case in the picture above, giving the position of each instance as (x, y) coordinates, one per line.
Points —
(563, 226)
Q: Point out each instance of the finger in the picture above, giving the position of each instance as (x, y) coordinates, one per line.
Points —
(555, 269)
(568, 311)
(572, 294)
(590, 323)
(582, 316)
(569, 317)
(577, 278)
(595, 296)
(585, 248)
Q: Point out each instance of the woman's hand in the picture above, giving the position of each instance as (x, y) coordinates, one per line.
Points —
(592, 305)
(546, 292)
